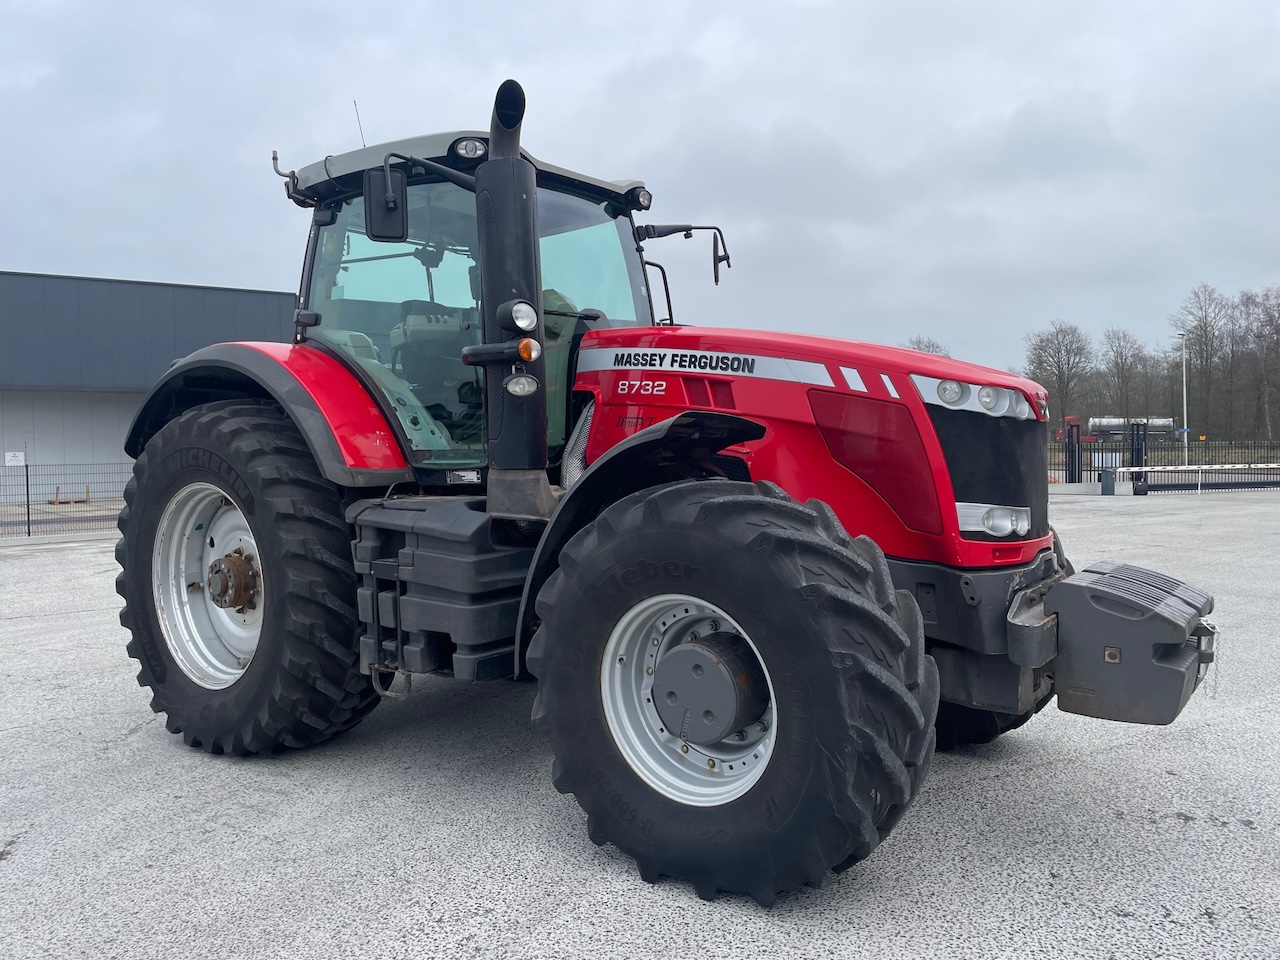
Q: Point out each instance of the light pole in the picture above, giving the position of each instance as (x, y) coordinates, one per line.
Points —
(1186, 430)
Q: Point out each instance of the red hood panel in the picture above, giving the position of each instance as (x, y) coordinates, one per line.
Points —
(798, 346)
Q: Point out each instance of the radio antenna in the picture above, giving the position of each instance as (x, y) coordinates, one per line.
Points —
(359, 125)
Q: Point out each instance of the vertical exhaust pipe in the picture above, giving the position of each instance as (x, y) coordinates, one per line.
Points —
(507, 216)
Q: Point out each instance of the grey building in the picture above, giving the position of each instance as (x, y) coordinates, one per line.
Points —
(77, 355)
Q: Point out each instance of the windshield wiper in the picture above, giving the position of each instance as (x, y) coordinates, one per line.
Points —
(584, 315)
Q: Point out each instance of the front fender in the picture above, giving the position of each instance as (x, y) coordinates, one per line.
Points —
(348, 435)
(663, 453)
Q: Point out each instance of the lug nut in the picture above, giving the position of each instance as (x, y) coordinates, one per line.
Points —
(684, 748)
(711, 764)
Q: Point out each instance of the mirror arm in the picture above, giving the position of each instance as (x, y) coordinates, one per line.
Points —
(456, 177)
(719, 246)
(666, 288)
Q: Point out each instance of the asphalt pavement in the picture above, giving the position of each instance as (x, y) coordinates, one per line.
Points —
(432, 829)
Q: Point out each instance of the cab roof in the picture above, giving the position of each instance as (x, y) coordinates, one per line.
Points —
(434, 146)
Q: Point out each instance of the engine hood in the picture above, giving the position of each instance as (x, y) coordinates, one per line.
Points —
(829, 351)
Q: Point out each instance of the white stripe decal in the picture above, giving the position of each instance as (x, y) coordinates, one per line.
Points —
(853, 379)
(705, 361)
(888, 385)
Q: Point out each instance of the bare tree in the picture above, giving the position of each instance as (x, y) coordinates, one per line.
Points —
(1151, 394)
(1201, 319)
(1123, 358)
(1062, 359)
(1264, 334)
(927, 345)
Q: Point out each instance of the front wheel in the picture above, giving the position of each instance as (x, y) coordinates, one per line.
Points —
(734, 692)
(239, 589)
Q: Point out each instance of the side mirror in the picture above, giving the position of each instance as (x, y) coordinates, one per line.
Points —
(386, 205)
(717, 257)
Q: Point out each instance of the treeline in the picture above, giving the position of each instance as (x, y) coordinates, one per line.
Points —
(1232, 359)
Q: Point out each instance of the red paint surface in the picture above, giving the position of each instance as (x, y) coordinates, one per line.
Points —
(364, 437)
(793, 453)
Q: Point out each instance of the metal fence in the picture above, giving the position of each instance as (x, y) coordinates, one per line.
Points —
(45, 500)
(1228, 464)
(40, 500)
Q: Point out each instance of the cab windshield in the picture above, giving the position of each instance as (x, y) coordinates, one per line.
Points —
(404, 311)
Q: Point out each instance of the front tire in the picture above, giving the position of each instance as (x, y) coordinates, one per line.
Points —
(238, 584)
(833, 708)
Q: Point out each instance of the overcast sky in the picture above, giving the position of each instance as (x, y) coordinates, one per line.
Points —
(965, 171)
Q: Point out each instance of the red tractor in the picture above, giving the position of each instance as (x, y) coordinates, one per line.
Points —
(755, 574)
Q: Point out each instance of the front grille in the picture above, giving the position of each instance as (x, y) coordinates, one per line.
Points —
(996, 460)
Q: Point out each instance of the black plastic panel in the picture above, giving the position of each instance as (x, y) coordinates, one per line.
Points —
(996, 460)
(440, 586)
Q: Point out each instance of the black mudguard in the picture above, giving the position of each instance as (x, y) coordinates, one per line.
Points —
(237, 371)
(666, 452)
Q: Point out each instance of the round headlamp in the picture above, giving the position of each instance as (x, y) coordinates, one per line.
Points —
(950, 391)
(524, 316)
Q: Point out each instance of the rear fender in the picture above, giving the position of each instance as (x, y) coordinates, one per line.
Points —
(666, 452)
(347, 434)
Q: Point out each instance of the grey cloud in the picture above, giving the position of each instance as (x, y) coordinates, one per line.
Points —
(964, 172)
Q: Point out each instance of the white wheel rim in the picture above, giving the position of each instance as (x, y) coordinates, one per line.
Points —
(213, 645)
(698, 776)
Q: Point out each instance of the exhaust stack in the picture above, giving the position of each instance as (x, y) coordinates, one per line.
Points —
(507, 215)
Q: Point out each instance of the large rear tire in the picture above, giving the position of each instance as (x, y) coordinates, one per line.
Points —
(833, 692)
(238, 584)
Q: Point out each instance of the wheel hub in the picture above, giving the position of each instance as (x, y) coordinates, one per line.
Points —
(712, 744)
(233, 581)
(208, 585)
(708, 688)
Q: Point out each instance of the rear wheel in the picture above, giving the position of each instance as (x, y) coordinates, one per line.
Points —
(238, 584)
(733, 690)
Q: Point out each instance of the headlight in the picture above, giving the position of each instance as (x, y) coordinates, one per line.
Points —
(950, 391)
(993, 518)
(524, 316)
(521, 385)
(470, 148)
(978, 397)
(638, 198)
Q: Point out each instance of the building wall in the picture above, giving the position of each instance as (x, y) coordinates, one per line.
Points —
(78, 354)
(79, 333)
(67, 426)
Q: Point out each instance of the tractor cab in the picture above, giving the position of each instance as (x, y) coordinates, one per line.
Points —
(401, 313)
